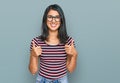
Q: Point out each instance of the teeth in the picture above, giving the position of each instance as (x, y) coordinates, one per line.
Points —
(53, 25)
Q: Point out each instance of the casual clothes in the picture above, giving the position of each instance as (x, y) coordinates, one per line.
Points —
(41, 79)
(52, 59)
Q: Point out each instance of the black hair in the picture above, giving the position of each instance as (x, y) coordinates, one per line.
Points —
(62, 32)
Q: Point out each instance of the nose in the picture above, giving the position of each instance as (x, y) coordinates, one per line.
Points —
(53, 20)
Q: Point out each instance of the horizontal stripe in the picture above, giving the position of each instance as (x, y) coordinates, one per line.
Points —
(53, 75)
(57, 63)
(55, 69)
(53, 59)
(53, 66)
(53, 50)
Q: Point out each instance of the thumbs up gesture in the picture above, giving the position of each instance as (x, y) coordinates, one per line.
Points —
(70, 49)
(36, 49)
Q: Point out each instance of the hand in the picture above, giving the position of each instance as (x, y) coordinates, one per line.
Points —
(36, 49)
(70, 49)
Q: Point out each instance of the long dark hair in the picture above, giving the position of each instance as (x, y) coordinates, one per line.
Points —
(62, 33)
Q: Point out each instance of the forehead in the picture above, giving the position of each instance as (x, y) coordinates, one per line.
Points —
(53, 12)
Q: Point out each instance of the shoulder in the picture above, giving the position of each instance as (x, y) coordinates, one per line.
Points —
(37, 39)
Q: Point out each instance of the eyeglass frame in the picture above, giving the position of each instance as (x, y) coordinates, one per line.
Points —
(55, 17)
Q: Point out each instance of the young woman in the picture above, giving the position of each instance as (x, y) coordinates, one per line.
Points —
(54, 48)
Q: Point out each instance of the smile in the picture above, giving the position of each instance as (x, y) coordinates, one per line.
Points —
(53, 25)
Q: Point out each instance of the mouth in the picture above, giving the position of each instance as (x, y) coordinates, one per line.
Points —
(53, 25)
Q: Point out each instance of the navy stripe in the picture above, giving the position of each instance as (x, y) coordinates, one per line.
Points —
(53, 59)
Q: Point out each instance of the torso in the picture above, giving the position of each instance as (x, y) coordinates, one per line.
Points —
(52, 60)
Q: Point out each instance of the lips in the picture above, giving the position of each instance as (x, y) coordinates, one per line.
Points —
(53, 25)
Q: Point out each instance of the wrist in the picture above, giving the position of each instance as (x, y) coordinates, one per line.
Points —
(75, 53)
(34, 55)
(74, 56)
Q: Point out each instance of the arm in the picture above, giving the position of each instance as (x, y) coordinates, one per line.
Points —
(34, 55)
(72, 61)
(33, 64)
(71, 56)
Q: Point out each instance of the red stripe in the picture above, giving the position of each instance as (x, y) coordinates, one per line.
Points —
(52, 60)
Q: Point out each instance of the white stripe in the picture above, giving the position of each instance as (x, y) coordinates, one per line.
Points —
(63, 67)
(51, 65)
(45, 49)
(54, 52)
(53, 74)
(69, 41)
(50, 76)
(53, 55)
(55, 47)
(45, 63)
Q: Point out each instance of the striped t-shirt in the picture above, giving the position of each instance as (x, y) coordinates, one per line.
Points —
(52, 59)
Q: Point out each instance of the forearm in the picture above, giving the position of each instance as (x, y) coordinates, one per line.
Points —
(72, 64)
(33, 64)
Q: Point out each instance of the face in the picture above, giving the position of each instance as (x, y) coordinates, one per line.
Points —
(53, 20)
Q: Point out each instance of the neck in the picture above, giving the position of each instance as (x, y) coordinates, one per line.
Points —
(53, 35)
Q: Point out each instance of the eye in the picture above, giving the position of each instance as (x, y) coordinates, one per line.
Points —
(49, 16)
(57, 16)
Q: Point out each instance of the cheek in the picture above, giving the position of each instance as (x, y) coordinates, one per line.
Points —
(47, 23)
(59, 23)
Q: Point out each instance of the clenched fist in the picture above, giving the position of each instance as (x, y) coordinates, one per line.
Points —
(36, 49)
(70, 49)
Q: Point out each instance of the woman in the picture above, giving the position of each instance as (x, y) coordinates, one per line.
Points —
(54, 48)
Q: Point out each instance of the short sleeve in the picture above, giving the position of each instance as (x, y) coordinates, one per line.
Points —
(69, 41)
(31, 44)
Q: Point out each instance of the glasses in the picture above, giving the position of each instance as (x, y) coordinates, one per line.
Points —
(56, 18)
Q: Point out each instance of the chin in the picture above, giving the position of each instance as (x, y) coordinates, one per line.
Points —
(53, 28)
